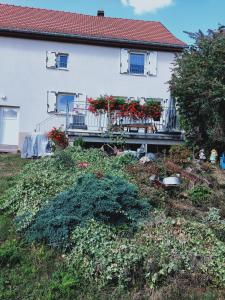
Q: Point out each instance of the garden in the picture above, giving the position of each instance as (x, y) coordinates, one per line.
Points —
(83, 224)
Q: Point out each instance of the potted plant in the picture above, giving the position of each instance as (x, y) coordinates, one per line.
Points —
(153, 109)
(59, 138)
(98, 105)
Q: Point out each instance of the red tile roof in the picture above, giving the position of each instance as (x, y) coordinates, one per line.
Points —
(17, 18)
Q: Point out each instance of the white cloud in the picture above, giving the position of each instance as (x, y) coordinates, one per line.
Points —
(144, 6)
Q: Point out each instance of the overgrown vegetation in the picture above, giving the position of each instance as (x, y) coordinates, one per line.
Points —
(103, 240)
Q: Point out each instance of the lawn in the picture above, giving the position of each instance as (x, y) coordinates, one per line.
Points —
(82, 225)
(10, 165)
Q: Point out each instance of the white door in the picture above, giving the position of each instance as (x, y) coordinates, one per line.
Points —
(9, 125)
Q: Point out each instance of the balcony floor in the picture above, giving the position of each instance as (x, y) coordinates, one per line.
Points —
(159, 138)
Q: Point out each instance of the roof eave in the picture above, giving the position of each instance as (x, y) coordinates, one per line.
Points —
(76, 38)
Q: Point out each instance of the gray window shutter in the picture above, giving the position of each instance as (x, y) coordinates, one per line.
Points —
(124, 61)
(152, 60)
(51, 104)
(51, 60)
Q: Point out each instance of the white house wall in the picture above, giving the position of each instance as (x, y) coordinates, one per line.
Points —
(93, 70)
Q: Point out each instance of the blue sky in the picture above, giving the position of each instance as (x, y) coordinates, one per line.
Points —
(176, 15)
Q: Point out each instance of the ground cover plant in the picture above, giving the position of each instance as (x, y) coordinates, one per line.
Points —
(169, 246)
(45, 178)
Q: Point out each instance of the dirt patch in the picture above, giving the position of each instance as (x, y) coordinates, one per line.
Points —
(219, 176)
(186, 208)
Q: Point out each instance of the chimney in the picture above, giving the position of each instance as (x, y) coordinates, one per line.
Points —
(100, 13)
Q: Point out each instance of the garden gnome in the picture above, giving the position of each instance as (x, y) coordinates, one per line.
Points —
(213, 156)
(202, 156)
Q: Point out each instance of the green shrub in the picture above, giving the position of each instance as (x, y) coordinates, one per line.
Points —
(108, 199)
(100, 256)
(79, 142)
(124, 160)
(64, 160)
(200, 195)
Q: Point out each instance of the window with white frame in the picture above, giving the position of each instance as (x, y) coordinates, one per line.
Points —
(63, 102)
(55, 60)
(138, 62)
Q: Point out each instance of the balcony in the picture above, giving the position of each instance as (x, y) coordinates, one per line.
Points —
(103, 127)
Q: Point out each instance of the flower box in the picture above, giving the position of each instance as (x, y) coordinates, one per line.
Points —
(125, 108)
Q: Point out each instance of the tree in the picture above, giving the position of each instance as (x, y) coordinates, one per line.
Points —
(198, 85)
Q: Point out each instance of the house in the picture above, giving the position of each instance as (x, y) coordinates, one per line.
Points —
(53, 61)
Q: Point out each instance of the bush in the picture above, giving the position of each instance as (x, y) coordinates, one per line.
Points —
(200, 195)
(124, 160)
(109, 199)
(79, 142)
(100, 256)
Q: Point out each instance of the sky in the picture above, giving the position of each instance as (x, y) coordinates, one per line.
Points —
(177, 15)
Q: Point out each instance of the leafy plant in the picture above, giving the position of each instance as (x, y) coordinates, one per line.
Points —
(79, 142)
(124, 160)
(100, 256)
(200, 195)
(64, 160)
(108, 199)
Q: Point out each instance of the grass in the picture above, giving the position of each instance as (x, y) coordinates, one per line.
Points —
(10, 165)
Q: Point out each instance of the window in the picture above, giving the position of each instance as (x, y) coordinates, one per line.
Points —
(137, 63)
(56, 60)
(65, 103)
(62, 61)
(10, 113)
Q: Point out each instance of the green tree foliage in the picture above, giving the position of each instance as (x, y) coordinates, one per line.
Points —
(198, 85)
(109, 199)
